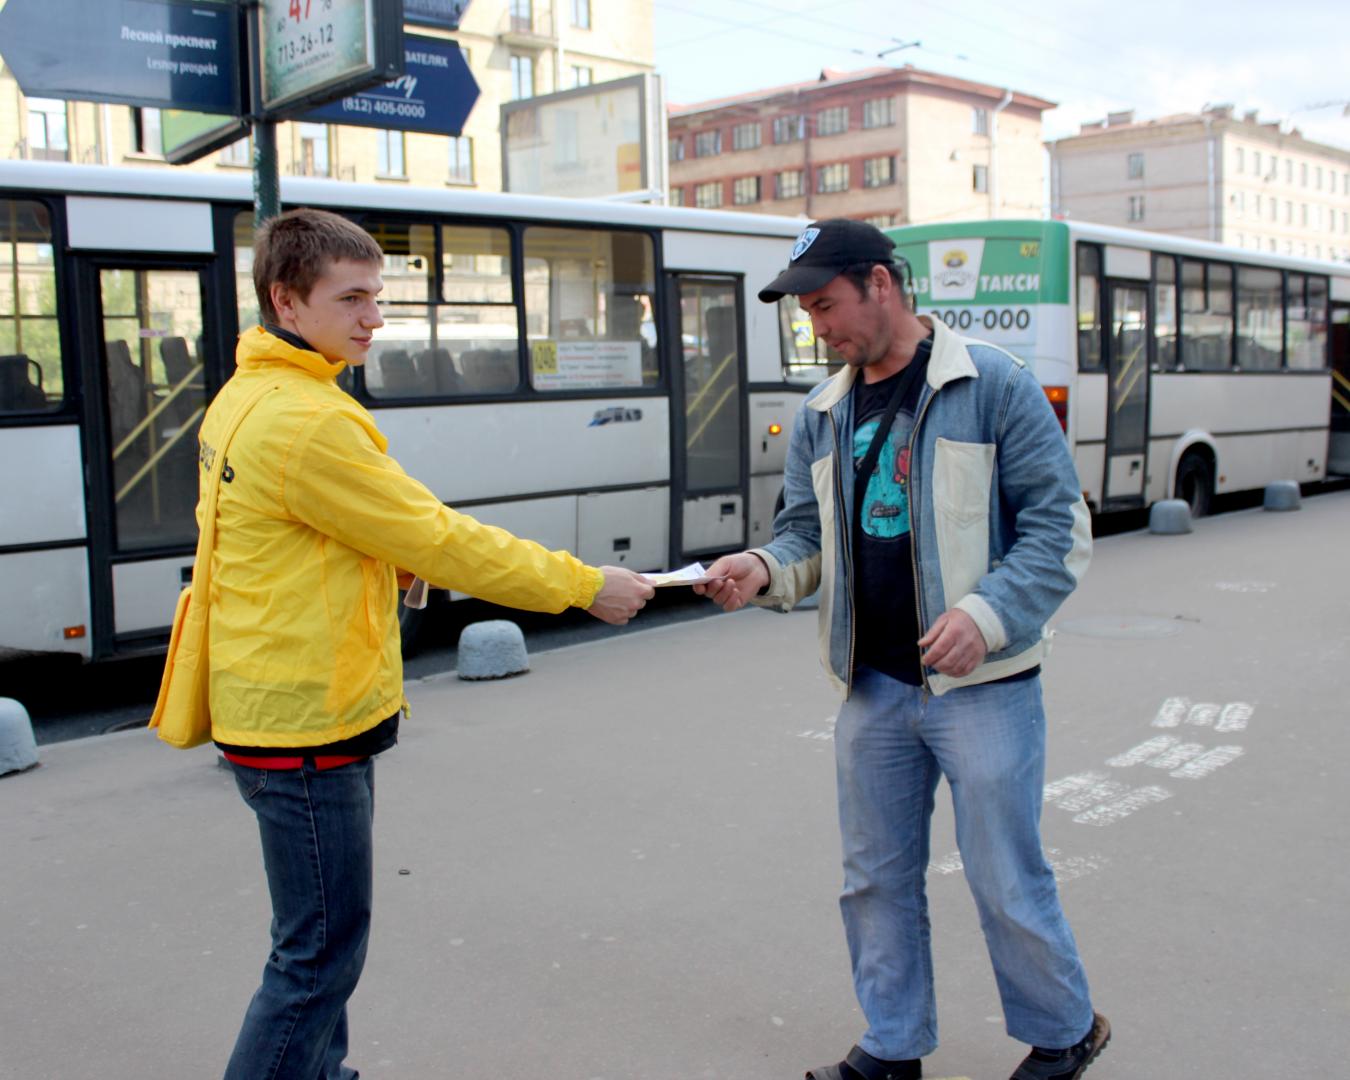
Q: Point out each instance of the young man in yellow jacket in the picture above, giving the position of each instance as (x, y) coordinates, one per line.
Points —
(306, 678)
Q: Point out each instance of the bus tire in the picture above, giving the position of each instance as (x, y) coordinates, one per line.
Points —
(1195, 484)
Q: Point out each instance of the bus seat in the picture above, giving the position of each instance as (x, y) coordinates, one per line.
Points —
(721, 332)
(401, 377)
(178, 365)
(489, 371)
(18, 390)
(438, 369)
(126, 390)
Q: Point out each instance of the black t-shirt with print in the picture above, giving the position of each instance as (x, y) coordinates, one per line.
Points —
(887, 611)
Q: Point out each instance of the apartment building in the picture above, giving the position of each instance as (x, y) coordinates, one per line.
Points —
(1212, 175)
(887, 145)
(515, 49)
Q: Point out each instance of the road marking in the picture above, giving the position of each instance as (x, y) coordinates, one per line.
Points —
(1203, 714)
(1244, 586)
(1143, 752)
(1206, 763)
(1172, 712)
(1118, 809)
(1234, 717)
(1176, 756)
(1065, 867)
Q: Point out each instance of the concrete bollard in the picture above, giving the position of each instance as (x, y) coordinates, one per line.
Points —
(492, 650)
(1282, 495)
(18, 748)
(1170, 517)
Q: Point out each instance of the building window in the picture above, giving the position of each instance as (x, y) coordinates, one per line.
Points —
(461, 159)
(677, 148)
(788, 129)
(1239, 201)
(522, 16)
(789, 185)
(1288, 209)
(831, 178)
(745, 136)
(745, 191)
(47, 140)
(314, 160)
(238, 154)
(979, 121)
(1134, 166)
(708, 196)
(1136, 208)
(708, 143)
(522, 75)
(878, 172)
(581, 15)
(389, 153)
(979, 178)
(1288, 171)
(677, 196)
(582, 75)
(146, 133)
(832, 121)
(1241, 159)
(879, 112)
(1318, 183)
(881, 221)
(1303, 174)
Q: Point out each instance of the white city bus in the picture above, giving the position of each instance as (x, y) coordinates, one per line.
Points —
(1177, 367)
(595, 376)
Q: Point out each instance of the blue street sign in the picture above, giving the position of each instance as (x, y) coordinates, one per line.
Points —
(155, 53)
(434, 95)
(443, 13)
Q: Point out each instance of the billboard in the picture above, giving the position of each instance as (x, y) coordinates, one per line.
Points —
(603, 140)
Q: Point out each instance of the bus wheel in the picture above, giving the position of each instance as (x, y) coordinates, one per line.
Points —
(1195, 484)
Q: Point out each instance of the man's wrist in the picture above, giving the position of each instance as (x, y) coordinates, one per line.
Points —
(768, 574)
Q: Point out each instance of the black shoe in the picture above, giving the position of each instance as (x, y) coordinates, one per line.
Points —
(860, 1065)
(1068, 1064)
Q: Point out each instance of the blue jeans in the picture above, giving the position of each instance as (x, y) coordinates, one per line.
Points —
(893, 743)
(316, 845)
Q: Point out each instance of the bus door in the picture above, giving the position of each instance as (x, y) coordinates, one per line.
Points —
(1127, 368)
(1338, 455)
(144, 355)
(708, 422)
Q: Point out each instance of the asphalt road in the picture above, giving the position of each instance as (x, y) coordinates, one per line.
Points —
(624, 866)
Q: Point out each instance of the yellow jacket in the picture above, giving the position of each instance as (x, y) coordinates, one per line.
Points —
(313, 517)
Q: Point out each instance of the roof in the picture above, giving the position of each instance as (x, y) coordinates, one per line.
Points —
(832, 79)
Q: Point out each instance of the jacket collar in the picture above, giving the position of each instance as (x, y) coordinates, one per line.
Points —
(949, 361)
(257, 349)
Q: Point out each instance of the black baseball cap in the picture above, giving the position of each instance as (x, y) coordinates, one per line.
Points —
(823, 250)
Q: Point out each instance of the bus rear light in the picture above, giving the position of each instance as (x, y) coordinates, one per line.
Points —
(1059, 401)
(70, 633)
(775, 429)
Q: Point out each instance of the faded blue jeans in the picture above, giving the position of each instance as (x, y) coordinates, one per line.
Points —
(316, 844)
(893, 744)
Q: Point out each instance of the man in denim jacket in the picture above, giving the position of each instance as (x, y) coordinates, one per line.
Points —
(937, 573)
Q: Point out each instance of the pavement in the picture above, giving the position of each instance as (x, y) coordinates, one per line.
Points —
(625, 863)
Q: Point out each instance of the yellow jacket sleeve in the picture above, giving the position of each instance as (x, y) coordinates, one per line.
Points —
(336, 479)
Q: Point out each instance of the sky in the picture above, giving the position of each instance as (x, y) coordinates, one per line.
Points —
(1290, 60)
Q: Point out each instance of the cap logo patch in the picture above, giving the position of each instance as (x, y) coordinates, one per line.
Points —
(807, 238)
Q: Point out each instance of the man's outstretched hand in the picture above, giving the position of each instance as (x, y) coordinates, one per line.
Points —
(736, 578)
(622, 596)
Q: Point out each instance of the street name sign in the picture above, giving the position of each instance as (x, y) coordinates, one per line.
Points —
(433, 95)
(152, 53)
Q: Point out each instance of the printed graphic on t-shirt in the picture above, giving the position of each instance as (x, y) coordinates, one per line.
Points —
(885, 508)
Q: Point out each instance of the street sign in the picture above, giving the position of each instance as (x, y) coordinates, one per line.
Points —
(187, 136)
(152, 53)
(442, 13)
(312, 51)
(433, 95)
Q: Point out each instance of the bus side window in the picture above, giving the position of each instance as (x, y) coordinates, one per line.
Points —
(1089, 308)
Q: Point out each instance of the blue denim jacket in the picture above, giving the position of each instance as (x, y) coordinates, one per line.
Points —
(1000, 527)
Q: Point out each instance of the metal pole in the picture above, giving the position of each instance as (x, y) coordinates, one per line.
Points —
(266, 182)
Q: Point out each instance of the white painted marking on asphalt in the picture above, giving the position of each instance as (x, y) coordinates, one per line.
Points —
(948, 864)
(1065, 867)
(821, 734)
(1057, 789)
(1206, 763)
(1143, 752)
(1177, 756)
(1203, 714)
(1234, 717)
(1092, 796)
(1244, 586)
(1172, 712)
(1118, 809)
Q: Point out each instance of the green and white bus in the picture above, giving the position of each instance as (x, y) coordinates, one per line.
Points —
(1177, 367)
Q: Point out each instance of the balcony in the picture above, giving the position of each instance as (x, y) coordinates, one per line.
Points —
(528, 26)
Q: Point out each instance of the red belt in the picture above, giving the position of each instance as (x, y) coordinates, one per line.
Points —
(321, 762)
